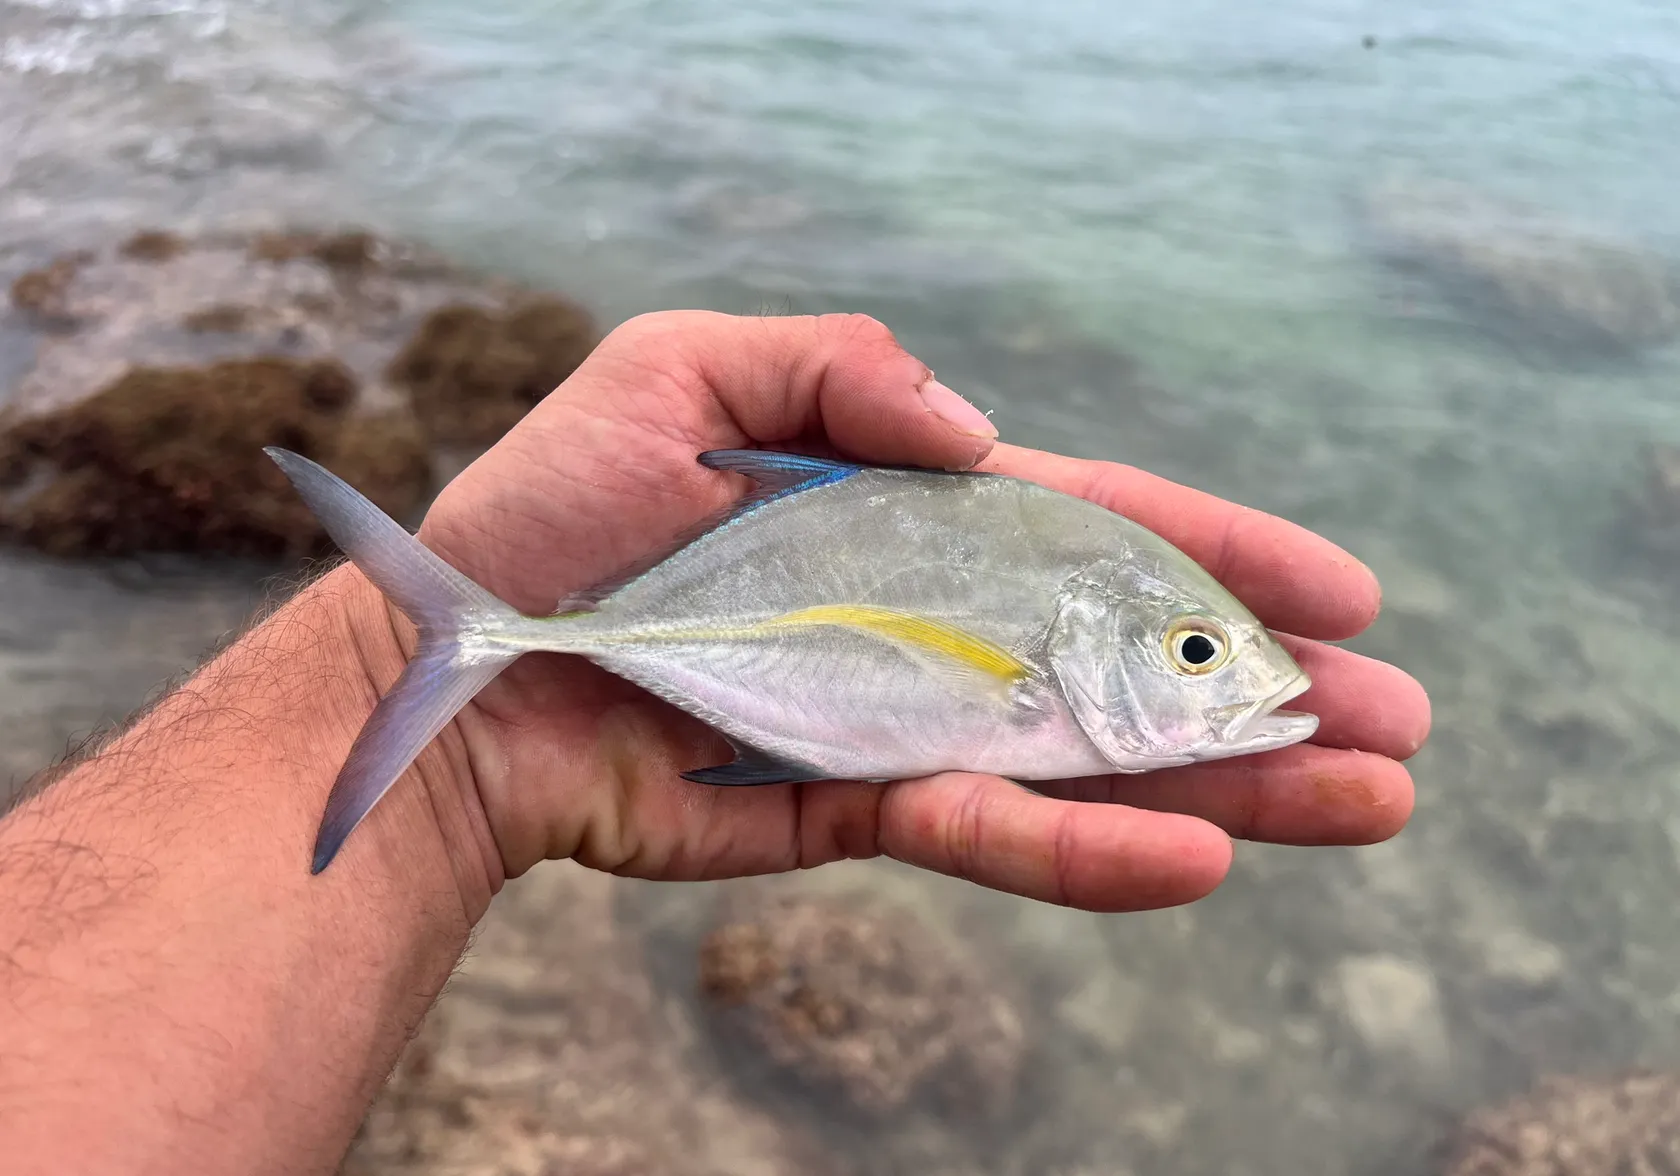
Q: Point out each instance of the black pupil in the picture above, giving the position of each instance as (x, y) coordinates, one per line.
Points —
(1197, 650)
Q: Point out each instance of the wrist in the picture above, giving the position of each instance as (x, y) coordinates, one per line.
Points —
(174, 960)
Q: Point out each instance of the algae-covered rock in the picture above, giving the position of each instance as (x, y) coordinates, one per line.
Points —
(430, 1123)
(162, 459)
(44, 293)
(353, 250)
(153, 245)
(1650, 517)
(862, 998)
(1627, 1125)
(472, 373)
(552, 1053)
(165, 364)
(1571, 283)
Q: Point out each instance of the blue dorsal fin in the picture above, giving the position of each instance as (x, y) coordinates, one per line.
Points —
(777, 474)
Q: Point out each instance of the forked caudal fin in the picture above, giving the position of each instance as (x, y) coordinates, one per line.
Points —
(454, 661)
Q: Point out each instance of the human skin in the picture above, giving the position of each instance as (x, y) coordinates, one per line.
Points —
(178, 993)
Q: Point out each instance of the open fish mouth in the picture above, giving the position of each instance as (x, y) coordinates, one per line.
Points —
(1260, 725)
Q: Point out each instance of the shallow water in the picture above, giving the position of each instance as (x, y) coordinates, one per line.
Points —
(1130, 231)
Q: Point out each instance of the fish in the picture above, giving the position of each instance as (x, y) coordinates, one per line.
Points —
(847, 621)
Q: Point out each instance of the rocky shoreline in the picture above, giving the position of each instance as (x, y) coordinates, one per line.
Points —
(162, 366)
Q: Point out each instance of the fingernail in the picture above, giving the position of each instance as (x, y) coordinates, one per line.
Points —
(955, 411)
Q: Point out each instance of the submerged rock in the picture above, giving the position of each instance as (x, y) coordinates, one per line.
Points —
(424, 1126)
(1576, 1126)
(165, 364)
(551, 1052)
(1653, 508)
(1392, 1004)
(1569, 282)
(865, 1000)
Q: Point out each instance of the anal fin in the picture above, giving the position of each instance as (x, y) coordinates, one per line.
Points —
(752, 767)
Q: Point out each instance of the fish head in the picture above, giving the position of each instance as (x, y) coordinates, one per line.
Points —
(1162, 666)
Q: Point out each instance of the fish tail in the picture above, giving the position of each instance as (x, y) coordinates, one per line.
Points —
(458, 652)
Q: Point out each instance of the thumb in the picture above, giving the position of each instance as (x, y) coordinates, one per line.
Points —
(880, 403)
(843, 376)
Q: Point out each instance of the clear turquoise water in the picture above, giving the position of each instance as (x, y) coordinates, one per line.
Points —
(1129, 231)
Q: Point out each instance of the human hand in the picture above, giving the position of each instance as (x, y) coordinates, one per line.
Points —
(558, 758)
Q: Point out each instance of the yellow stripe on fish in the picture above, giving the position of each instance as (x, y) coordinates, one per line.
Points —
(911, 629)
(905, 628)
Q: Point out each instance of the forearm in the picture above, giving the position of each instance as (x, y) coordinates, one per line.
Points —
(179, 994)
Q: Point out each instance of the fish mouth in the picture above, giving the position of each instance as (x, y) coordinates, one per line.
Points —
(1259, 726)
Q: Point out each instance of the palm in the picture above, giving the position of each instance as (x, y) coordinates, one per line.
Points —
(602, 474)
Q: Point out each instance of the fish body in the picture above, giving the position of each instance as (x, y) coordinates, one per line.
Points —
(856, 622)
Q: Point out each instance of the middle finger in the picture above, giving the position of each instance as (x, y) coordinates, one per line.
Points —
(1360, 702)
(1290, 577)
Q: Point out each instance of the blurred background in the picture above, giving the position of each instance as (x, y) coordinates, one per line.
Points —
(1406, 275)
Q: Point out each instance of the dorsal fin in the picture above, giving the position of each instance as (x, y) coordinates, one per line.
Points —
(777, 474)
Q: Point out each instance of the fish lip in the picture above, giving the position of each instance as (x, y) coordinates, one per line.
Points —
(1279, 729)
(1263, 723)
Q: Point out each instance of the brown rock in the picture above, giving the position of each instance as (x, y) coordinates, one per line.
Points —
(218, 318)
(43, 293)
(1577, 1126)
(473, 374)
(170, 459)
(348, 251)
(165, 364)
(850, 995)
(153, 245)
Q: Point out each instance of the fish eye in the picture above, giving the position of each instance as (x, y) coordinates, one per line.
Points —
(1197, 646)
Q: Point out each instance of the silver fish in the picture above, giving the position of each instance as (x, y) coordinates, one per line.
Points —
(856, 622)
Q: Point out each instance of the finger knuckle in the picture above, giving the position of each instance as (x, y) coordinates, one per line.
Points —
(1109, 484)
(1228, 543)
(854, 328)
(963, 833)
(655, 325)
(1064, 854)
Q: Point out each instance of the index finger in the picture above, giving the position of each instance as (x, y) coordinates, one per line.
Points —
(1291, 578)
